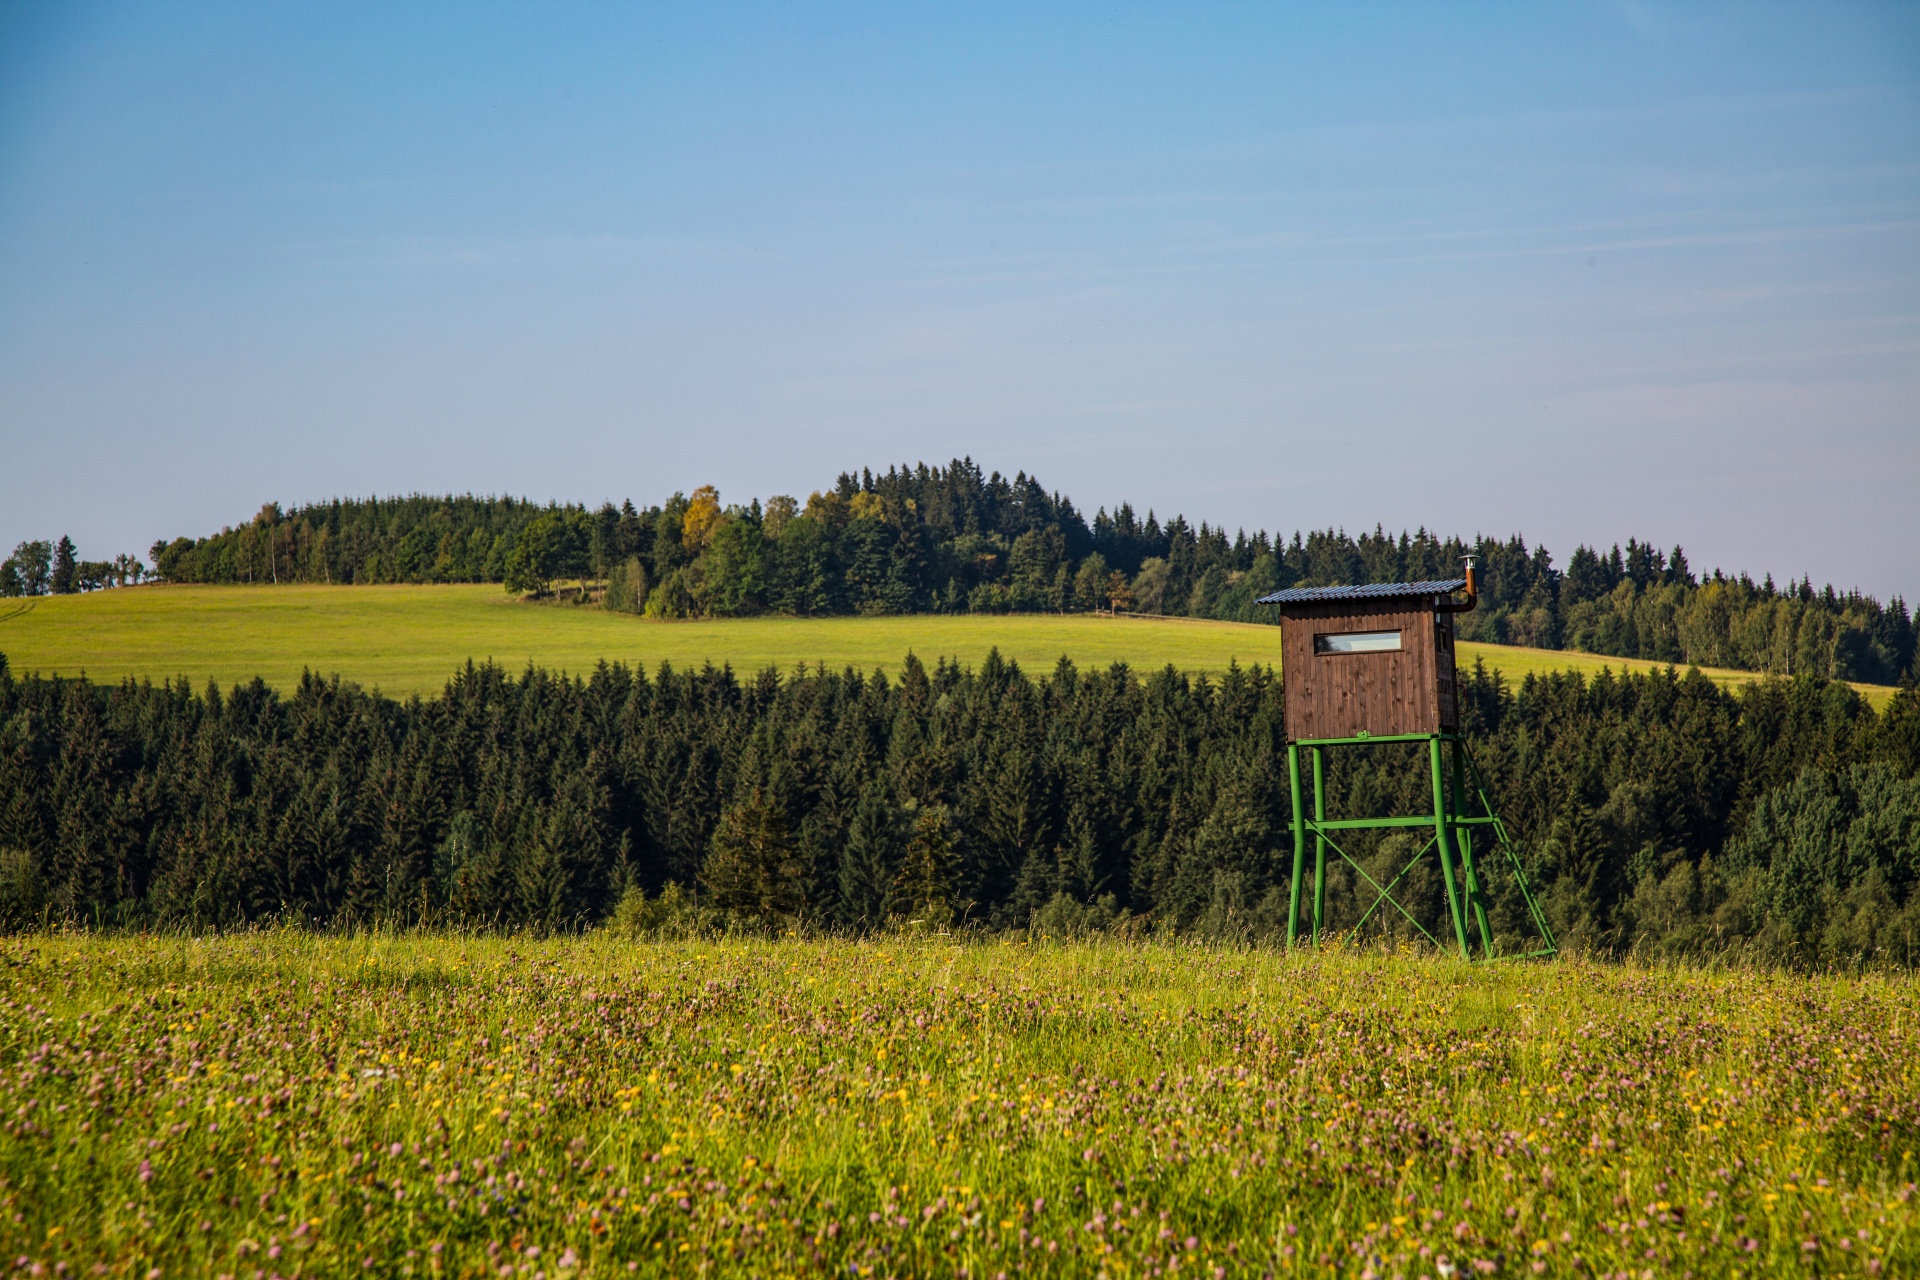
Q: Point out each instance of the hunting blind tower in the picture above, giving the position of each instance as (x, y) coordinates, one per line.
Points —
(1374, 664)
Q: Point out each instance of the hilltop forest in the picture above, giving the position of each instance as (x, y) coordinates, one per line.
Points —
(954, 540)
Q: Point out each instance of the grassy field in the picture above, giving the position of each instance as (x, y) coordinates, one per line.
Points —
(409, 639)
(286, 1104)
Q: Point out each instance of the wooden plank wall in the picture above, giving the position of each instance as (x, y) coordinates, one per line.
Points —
(1343, 695)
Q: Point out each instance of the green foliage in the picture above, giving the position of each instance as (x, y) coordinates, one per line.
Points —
(752, 869)
(1829, 863)
(419, 538)
(870, 859)
(1090, 584)
(45, 568)
(954, 539)
(626, 587)
(676, 597)
(28, 571)
(23, 891)
(674, 914)
(1656, 812)
(554, 544)
(1066, 918)
(923, 889)
(1150, 593)
(64, 578)
(735, 577)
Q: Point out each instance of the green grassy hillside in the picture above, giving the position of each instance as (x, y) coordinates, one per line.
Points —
(408, 639)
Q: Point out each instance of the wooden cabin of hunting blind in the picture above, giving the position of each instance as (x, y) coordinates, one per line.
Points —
(1370, 661)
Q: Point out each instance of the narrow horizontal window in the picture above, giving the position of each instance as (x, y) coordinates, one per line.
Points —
(1357, 642)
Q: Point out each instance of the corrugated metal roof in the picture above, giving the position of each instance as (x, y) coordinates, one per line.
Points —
(1370, 591)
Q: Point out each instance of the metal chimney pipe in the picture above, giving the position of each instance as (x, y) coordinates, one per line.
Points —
(1473, 592)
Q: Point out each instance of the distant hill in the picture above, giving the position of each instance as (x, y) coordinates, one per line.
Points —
(952, 539)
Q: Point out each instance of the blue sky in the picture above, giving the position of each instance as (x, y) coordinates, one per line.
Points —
(1577, 271)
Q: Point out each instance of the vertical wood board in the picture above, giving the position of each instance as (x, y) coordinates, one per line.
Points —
(1345, 695)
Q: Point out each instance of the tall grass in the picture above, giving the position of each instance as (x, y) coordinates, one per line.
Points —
(288, 1103)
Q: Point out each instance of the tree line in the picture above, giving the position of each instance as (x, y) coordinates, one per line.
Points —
(40, 568)
(1656, 812)
(956, 540)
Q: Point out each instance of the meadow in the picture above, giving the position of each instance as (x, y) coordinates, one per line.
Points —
(287, 1103)
(409, 639)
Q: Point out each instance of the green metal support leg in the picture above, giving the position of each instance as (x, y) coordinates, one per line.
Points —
(1319, 843)
(1464, 836)
(1299, 846)
(1442, 830)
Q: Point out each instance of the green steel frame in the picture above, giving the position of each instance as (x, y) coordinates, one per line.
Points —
(1452, 824)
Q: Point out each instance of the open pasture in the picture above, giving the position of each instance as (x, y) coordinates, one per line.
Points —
(290, 1104)
(408, 639)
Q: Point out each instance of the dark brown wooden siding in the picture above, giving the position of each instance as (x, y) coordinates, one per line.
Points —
(1346, 694)
(1445, 672)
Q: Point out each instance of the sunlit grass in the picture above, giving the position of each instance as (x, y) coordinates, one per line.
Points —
(407, 640)
(293, 1104)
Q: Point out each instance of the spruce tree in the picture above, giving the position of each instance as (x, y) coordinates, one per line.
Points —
(752, 869)
(923, 889)
(870, 859)
(64, 580)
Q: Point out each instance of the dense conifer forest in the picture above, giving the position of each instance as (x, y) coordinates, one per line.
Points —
(954, 540)
(1655, 812)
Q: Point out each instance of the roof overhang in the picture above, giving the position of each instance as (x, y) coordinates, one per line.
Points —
(1367, 591)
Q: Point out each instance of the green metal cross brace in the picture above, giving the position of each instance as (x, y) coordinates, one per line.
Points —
(1513, 858)
(1386, 894)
